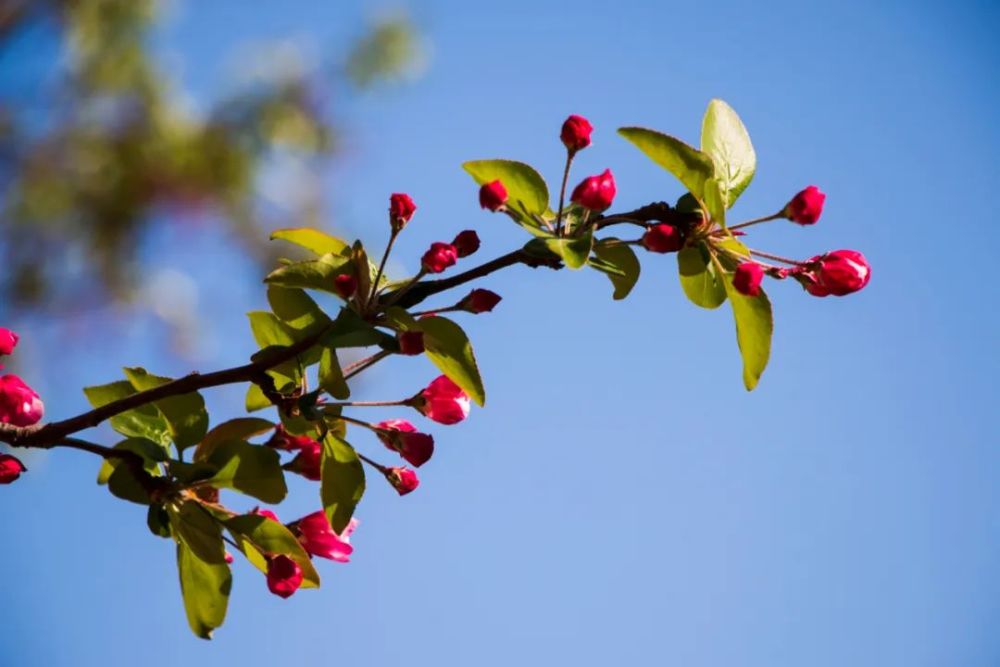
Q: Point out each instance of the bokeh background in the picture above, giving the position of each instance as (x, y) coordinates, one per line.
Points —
(622, 500)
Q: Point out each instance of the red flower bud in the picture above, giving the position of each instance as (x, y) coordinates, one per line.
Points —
(662, 238)
(480, 301)
(401, 209)
(466, 243)
(493, 195)
(318, 538)
(443, 401)
(8, 341)
(402, 479)
(401, 436)
(411, 342)
(595, 192)
(284, 576)
(11, 468)
(748, 277)
(805, 207)
(228, 558)
(287, 442)
(19, 404)
(575, 133)
(842, 272)
(345, 285)
(308, 462)
(439, 257)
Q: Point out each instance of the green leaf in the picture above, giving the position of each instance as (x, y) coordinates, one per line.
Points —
(351, 330)
(689, 165)
(269, 331)
(205, 588)
(255, 399)
(240, 428)
(526, 189)
(448, 348)
(619, 263)
(574, 250)
(315, 274)
(195, 527)
(699, 280)
(343, 481)
(318, 242)
(186, 417)
(715, 202)
(331, 377)
(251, 469)
(152, 452)
(124, 483)
(142, 422)
(754, 326)
(725, 139)
(258, 535)
(297, 310)
(158, 521)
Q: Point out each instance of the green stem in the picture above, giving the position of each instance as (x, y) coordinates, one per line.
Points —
(381, 266)
(562, 191)
(756, 221)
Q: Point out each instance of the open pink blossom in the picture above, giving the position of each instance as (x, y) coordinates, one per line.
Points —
(318, 538)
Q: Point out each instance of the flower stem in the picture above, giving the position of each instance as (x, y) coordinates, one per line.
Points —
(381, 266)
(756, 221)
(562, 191)
(777, 258)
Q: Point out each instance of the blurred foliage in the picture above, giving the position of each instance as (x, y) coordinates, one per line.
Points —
(113, 147)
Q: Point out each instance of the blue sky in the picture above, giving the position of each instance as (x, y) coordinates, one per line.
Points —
(622, 499)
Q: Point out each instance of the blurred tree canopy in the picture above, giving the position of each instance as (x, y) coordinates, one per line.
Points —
(91, 162)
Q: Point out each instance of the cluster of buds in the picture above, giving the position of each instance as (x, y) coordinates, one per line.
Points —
(20, 405)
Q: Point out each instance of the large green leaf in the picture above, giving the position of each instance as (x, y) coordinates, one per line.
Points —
(699, 279)
(251, 469)
(186, 417)
(715, 201)
(255, 399)
(343, 481)
(726, 140)
(258, 535)
(142, 422)
(151, 452)
(526, 189)
(316, 274)
(351, 330)
(689, 165)
(754, 326)
(619, 263)
(447, 346)
(240, 428)
(205, 588)
(318, 242)
(297, 310)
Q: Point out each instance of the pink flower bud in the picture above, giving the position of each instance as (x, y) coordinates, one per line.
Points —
(748, 277)
(308, 462)
(439, 257)
(8, 341)
(10, 468)
(466, 243)
(19, 404)
(345, 285)
(480, 301)
(443, 401)
(575, 133)
(401, 209)
(402, 479)
(284, 576)
(842, 272)
(287, 442)
(401, 436)
(318, 538)
(805, 207)
(411, 342)
(595, 192)
(492, 196)
(662, 238)
(228, 557)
